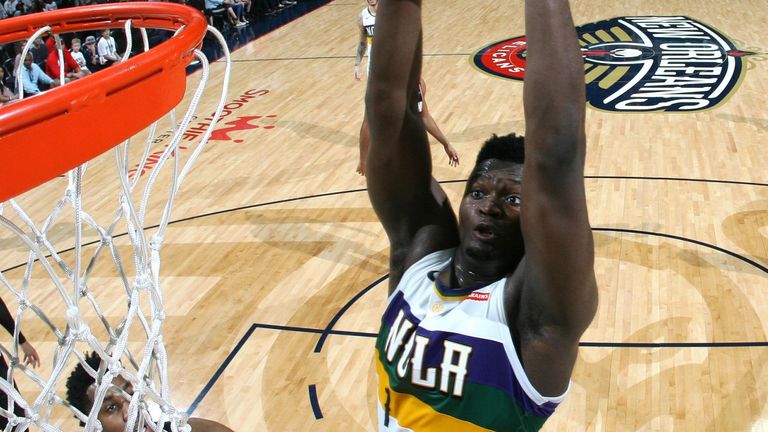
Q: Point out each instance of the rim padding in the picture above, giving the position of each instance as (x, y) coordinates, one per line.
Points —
(46, 135)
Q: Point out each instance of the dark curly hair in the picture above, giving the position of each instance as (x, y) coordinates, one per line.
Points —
(507, 148)
(79, 381)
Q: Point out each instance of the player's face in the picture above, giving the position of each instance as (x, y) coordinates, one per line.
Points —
(113, 414)
(372, 2)
(489, 215)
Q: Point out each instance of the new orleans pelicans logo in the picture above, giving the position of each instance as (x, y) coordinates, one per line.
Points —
(642, 64)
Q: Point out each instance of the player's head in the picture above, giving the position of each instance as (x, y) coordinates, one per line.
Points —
(81, 393)
(372, 2)
(508, 148)
(489, 214)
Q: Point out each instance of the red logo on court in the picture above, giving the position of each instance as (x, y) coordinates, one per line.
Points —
(505, 59)
(240, 124)
(479, 296)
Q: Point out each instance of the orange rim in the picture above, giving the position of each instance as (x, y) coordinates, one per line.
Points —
(51, 133)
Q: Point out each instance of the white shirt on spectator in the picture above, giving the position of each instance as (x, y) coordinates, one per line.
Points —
(80, 59)
(31, 77)
(213, 4)
(106, 47)
(10, 7)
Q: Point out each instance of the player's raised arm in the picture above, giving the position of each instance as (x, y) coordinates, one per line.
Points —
(560, 289)
(412, 207)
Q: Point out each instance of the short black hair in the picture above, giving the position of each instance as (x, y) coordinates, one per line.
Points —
(508, 148)
(79, 381)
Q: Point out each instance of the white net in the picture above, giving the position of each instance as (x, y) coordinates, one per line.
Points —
(81, 268)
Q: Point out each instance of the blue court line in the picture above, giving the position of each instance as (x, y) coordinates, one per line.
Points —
(216, 375)
(328, 330)
(325, 332)
(220, 370)
(673, 344)
(313, 401)
(676, 179)
(329, 327)
(344, 192)
(689, 240)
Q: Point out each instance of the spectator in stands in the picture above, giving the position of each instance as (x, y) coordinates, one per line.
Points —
(6, 94)
(78, 56)
(91, 55)
(71, 67)
(234, 10)
(246, 9)
(49, 5)
(107, 49)
(10, 7)
(274, 6)
(37, 6)
(18, 46)
(39, 51)
(32, 76)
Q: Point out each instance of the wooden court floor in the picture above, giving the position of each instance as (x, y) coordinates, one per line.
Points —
(273, 272)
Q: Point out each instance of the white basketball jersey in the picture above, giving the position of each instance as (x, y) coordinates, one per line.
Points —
(369, 21)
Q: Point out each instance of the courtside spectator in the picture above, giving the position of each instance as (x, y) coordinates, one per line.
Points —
(6, 94)
(91, 55)
(78, 56)
(71, 67)
(32, 76)
(107, 49)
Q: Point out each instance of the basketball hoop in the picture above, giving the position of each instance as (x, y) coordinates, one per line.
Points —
(37, 143)
(31, 145)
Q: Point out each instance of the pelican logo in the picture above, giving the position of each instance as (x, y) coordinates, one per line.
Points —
(239, 124)
(636, 64)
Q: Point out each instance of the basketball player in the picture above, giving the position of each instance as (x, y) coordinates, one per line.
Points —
(484, 316)
(113, 414)
(366, 22)
(429, 125)
(31, 358)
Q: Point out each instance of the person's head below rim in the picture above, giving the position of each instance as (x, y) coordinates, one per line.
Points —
(28, 60)
(81, 393)
(491, 241)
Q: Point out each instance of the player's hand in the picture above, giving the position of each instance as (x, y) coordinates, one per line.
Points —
(453, 155)
(361, 168)
(358, 75)
(30, 355)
